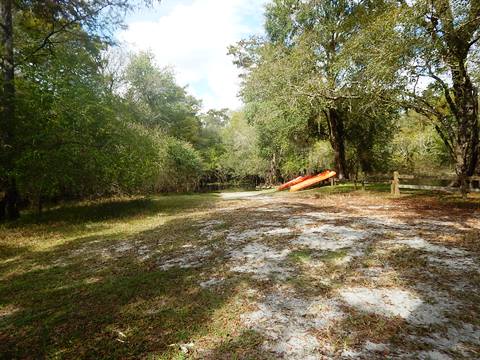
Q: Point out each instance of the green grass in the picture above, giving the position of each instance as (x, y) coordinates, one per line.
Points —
(334, 255)
(301, 255)
(65, 292)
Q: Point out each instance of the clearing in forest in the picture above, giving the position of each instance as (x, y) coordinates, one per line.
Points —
(296, 276)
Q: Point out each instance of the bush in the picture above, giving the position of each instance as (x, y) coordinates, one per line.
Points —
(320, 157)
(180, 167)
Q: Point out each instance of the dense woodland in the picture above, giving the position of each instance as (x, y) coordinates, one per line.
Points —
(364, 87)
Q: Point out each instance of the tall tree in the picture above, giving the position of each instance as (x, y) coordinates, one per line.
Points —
(159, 102)
(430, 43)
(8, 205)
(57, 18)
(321, 28)
(303, 72)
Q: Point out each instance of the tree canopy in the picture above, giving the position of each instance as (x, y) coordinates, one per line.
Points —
(364, 87)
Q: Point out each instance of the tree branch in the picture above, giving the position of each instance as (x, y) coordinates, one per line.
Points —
(446, 91)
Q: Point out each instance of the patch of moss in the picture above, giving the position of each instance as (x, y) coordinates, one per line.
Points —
(301, 255)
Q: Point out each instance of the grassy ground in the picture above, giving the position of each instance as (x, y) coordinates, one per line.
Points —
(183, 276)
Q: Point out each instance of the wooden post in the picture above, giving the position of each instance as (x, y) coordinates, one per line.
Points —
(395, 188)
(332, 181)
(363, 184)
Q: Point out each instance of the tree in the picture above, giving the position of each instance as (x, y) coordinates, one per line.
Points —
(8, 205)
(211, 144)
(42, 24)
(242, 157)
(75, 140)
(158, 101)
(434, 40)
(302, 77)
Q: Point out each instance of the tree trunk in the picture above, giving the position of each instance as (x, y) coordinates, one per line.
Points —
(275, 174)
(337, 139)
(466, 113)
(8, 110)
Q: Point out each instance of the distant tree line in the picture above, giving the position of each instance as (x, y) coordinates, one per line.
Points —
(80, 118)
(359, 86)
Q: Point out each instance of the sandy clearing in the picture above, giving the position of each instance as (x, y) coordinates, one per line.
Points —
(261, 261)
(394, 302)
(259, 195)
(267, 230)
(288, 322)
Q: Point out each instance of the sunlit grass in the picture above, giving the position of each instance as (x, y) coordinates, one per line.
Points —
(65, 284)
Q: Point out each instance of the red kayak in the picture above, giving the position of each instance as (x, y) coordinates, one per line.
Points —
(313, 180)
(295, 181)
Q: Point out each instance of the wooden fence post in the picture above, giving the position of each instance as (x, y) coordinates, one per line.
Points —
(395, 187)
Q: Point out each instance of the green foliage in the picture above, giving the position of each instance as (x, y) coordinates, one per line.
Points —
(320, 157)
(241, 156)
(211, 144)
(180, 166)
(330, 85)
(74, 143)
(417, 148)
(429, 52)
(301, 74)
(158, 102)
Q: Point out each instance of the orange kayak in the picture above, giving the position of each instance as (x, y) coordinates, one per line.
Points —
(295, 181)
(314, 180)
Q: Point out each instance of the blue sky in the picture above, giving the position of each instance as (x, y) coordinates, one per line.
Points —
(192, 36)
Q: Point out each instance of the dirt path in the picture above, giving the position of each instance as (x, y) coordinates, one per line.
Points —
(347, 276)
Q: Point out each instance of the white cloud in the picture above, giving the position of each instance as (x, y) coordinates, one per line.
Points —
(193, 37)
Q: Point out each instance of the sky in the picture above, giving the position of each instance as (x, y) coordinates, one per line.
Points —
(192, 36)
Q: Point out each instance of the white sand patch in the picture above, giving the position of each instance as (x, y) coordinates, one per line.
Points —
(350, 354)
(208, 229)
(375, 347)
(193, 258)
(433, 355)
(326, 216)
(455, 264)
(383, 223)
(421, 244)
(300, 221)
(235, 236)
(329, 237)
(123, 247)
(288, 323)
(259, 195)
(455, 339)
(261, 261)
(341, 231)
(144, 252)
(393, 302)
(268, 223)
(280, 231)
(211, 282)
